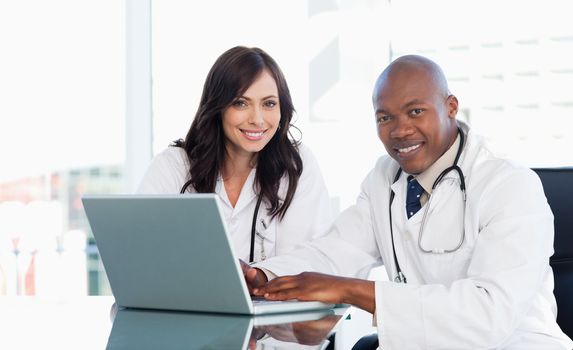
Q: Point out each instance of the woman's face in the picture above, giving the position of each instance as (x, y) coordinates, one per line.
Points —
(253, 118)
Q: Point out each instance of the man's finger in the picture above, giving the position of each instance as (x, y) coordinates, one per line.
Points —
(282, 283)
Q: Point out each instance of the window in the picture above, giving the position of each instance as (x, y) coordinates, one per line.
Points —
(62, 135)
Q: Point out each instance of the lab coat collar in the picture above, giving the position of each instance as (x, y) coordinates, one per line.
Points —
(427, 178)
(471, 146)
(472, 143)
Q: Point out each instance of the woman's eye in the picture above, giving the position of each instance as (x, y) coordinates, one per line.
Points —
(240, 103)
(270, 103)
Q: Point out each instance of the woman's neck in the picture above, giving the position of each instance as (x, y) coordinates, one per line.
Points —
(236, 170)
(238, 165)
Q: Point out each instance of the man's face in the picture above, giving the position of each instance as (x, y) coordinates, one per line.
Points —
(415, 119)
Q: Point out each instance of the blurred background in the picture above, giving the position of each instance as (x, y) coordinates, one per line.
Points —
(91, 90)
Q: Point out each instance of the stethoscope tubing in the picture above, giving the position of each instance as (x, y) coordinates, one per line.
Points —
(423, 223)
(400, 278)
(254, 230)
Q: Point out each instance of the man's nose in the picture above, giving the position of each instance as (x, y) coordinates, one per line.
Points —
(402, 127)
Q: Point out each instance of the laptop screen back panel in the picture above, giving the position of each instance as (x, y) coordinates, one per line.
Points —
(168, 253)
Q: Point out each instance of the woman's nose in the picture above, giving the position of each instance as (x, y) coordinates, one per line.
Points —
(256, 117)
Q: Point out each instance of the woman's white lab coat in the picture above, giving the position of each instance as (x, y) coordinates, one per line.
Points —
(494, 292)
(309, 215)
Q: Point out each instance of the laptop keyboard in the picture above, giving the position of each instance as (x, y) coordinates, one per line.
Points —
(261, 300)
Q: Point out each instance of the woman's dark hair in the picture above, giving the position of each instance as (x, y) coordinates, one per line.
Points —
(231, 75)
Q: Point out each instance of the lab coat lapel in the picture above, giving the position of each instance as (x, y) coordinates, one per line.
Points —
(220, 191)
(402, 229)
(247, 194)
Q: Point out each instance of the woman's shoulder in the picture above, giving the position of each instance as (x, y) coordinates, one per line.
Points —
(311, 170)
(173, 155)
(305, 153)
(166, 173)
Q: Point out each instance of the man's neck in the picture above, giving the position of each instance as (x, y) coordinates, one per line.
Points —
(428, 176)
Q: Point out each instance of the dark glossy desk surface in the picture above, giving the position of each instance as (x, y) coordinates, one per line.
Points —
(89, 323)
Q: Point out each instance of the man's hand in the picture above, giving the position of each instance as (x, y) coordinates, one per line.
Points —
(254, 277)
(326, 288)
(304, 333)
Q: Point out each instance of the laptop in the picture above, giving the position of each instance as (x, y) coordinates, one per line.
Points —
(174, 252)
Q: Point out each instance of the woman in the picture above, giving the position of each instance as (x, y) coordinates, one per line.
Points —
(239, 146)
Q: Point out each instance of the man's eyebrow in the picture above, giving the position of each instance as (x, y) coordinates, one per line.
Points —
(406, 105)
(412, 103)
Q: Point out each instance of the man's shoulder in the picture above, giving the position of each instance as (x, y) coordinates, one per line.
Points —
(494, 170)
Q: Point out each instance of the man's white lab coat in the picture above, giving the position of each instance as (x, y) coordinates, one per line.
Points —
(495, 292)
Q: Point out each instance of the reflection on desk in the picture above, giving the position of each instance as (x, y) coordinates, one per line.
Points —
(84, 323)
(145, 329)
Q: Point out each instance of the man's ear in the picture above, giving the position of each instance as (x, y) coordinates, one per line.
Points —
(452, 105)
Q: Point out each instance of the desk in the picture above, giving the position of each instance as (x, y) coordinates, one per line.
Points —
(90, 323)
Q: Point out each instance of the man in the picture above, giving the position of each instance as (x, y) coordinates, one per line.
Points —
(470, 233)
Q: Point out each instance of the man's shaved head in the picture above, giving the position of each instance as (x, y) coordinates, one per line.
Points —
(414, 63)
(415, 112)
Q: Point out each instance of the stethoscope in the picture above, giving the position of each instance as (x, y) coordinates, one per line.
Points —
(400, 278)
(255, 233)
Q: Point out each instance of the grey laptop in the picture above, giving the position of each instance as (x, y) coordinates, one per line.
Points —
(173, 252)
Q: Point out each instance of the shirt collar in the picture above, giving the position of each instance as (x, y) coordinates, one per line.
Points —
(245, 197)
(427, 178)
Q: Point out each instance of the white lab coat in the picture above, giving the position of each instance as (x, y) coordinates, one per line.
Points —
(309, 215)
(494, 292)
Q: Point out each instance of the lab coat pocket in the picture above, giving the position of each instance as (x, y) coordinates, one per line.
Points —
(265, 240)
(445, 268)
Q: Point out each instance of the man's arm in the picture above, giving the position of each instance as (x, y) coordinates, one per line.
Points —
(349, 249)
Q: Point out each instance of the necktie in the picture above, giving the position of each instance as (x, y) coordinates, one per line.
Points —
(413, 196)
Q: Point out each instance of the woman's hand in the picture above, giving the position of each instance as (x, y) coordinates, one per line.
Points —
(254, 277)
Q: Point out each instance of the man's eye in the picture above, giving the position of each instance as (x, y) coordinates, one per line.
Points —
(416, 111)
(381, 119)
